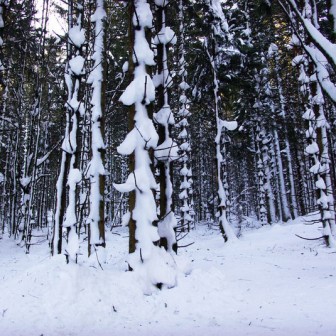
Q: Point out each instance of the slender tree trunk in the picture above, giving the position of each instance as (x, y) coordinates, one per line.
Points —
(139, 141)
(166, 151)
(283, 193)
(96, 170)
(224, 224)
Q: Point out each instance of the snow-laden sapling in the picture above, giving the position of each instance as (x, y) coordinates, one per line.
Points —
(154, 265)
(96, 170)
(70, 175)
(219, 31)
(183, 136)
(167, 149)
(317, 147)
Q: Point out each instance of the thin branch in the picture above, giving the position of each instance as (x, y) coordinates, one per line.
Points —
(309, 238)
(182, 246)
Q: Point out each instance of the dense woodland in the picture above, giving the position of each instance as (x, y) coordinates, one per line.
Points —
(163, 114)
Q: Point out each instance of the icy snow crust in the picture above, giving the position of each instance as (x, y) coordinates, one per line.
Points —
(268, 283)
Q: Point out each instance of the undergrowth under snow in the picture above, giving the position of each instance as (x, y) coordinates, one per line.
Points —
(270, 282)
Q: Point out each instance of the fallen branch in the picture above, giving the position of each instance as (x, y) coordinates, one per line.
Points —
(98, 259)
(309, 238)
(185, 245)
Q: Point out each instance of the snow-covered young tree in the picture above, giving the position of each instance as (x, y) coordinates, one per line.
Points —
(167, 149)
(273, 54)
(305, 15)
(70, 175)
(217, 47)
(155, 265)
(315, 89)
(186, 190)
(3, 5)
(95, 170)
(32, 129)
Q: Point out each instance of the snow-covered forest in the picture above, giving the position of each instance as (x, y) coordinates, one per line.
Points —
(167, 167)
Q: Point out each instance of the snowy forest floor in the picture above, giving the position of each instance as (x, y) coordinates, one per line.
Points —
(270, 282)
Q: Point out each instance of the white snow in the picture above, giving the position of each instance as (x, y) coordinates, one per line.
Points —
(77, 65)
(332, 11)
(309, 115)
(217, 11)
(95, 169)
(144, 16)
(165, 36)
(2, 23)
(229, 125)
(184, 86)
(77, 36)
(320, 184)
(270, 282)
(161, 3)
(312, 148)
(24, 181)
(295, 41)
(168, 150)
(151, 264)
(298, 59)
(125, 67)
(141, 86)
(165, 115)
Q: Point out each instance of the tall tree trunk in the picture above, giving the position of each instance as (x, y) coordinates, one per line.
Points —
(140, 140)
(96, 170)
(224, 224)
(185, 149)
(283, 190)
(166, 151)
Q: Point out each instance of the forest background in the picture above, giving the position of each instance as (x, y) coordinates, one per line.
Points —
(249, 139)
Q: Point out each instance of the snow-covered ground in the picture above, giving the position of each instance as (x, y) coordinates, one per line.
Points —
(270, 282)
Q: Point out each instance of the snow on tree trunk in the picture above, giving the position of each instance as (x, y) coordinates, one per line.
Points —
(332, 15)
(96, 170)
(56, 243)
(320, 49)
(32, 130)
(262, 106)
(325, 161)
(186, 190)
(283, 194)
(167, 149)
(265, 103)
(69, 171)
(273, 52)
(316, 133)
(3, 5)
(266, 158)
(317, 147)
(323, 182)
(224, 224)
(219, 29)
(154, 265)
(262, 211)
